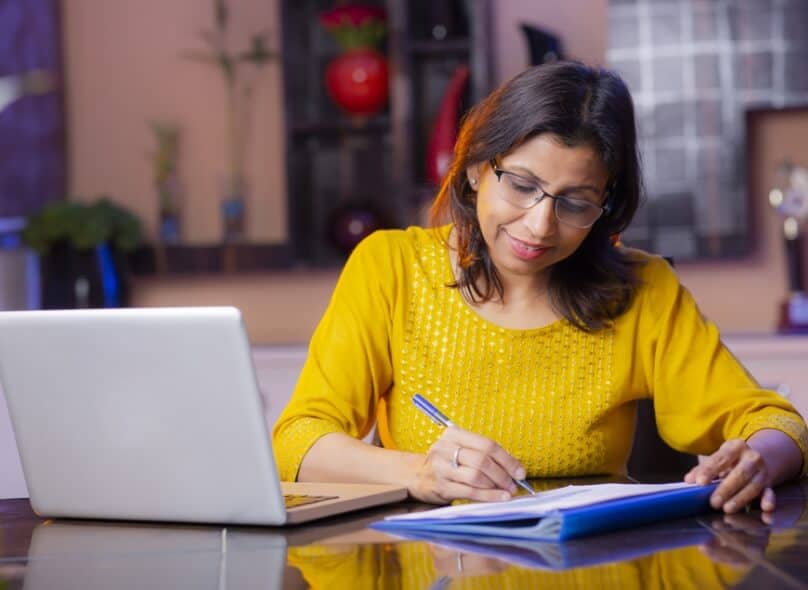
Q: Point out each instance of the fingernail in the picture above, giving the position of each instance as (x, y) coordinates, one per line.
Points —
(716, 501)
(520, 473)
(505, 496)
(512, 488)
(703, 480)
(730, 505)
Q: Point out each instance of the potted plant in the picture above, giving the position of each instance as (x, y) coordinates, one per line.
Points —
(240, 90)
(166, 178)
(357, 79)
(82, 248)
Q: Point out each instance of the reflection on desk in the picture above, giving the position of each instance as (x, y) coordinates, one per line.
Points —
(716, 551)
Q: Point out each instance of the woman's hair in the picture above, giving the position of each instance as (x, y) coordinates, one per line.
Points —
(582, 106)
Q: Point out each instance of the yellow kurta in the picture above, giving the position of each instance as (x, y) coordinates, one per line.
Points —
(558, 399)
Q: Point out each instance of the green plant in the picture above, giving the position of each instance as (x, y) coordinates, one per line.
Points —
(355, 26)
(164, 160)
(83, 226)
(239, 90)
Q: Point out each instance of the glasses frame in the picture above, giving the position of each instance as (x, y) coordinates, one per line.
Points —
(498, 172)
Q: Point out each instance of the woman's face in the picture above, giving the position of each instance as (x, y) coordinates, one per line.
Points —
(526, 242)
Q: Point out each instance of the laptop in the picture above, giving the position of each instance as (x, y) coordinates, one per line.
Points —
(151, 414)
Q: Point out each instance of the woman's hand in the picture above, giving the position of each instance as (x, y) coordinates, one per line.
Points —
(745, 475)
(465, 465)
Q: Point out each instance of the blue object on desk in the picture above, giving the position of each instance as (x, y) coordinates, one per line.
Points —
(565, 523)
(440, 419)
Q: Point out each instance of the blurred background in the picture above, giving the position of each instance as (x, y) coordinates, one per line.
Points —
(208, 152)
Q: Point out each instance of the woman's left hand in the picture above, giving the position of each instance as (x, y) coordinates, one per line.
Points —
(744, 473)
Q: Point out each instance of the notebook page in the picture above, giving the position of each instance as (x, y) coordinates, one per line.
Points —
(544, 502)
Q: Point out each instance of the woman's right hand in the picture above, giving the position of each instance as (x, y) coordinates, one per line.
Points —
(464, 465)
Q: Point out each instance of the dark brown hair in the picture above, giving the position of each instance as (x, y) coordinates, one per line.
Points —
(581, 106)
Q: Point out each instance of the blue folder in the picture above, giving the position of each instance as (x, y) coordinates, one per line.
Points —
(567, 523)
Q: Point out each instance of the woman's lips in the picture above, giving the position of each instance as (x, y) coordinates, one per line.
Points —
(525, 250)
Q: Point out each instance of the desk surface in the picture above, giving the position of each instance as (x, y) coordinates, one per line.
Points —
(711, 551)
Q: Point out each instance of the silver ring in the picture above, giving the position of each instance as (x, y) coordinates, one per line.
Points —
(455, 457)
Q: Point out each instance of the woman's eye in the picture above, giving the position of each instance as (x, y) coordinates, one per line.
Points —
(574, 205)
(523, 188)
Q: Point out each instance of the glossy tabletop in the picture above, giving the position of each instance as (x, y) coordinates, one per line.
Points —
(711, 551)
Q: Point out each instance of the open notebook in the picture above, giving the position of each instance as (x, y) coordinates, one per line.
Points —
(566, 513)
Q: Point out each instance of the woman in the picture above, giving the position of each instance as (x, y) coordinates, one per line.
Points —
(527, 325)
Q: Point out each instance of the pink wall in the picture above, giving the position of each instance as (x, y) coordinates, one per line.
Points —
(124, 69)
(579, 23)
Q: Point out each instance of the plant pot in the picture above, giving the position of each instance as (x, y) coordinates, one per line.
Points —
(72, 278)
(357, 81)
(233, 208)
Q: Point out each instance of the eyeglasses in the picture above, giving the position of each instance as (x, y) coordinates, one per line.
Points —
(525, 193)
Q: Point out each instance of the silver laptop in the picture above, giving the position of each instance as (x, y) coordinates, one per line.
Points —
(151, 414)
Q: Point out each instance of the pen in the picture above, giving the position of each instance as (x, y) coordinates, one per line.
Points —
(440, 419)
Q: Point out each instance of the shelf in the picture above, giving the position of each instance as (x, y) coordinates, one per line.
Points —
(376, 162)
(343, 126)
(214, 258)
(433, 48)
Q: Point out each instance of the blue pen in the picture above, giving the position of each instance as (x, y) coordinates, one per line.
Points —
(440, 419)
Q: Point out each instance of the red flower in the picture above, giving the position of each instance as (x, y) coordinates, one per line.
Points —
(354, 15)
(355, 25)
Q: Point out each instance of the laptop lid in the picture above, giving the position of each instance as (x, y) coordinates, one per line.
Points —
(146, 414)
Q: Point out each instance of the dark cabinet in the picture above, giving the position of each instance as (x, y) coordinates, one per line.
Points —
(347, 173)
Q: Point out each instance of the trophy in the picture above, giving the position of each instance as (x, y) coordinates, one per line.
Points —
(791, 202)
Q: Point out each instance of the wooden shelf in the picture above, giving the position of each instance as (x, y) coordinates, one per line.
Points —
(209, 259)
(431, 47)
(343, 126)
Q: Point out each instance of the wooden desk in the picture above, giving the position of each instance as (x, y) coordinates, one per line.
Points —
(706, 552)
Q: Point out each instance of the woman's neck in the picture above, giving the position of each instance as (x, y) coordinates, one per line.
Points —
(525, 301)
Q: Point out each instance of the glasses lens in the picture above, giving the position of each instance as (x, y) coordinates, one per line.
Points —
(576, 212)
(517, 191)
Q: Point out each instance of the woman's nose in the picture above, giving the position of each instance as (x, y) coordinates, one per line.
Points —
(541, 218)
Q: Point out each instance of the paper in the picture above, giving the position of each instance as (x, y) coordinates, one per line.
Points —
(542, 503)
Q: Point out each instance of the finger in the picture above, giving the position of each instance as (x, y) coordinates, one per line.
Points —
(768, 502)
(719, 463)
(483, 471)
(747, 494)
(453, 490)
(488, 447)
(744, 483)
(467, 470)
(749, 464)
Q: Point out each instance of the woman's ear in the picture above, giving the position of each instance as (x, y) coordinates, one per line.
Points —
(473, 176)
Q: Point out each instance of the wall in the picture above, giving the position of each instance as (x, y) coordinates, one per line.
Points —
(124, 69)
(581, 25)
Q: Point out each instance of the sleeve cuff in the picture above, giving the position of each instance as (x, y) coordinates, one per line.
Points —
(791, 425)
(294, 442)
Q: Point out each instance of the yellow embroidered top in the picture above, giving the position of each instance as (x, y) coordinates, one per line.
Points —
(559, 399)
